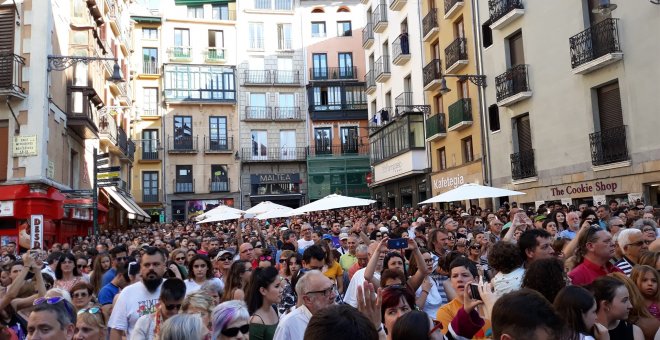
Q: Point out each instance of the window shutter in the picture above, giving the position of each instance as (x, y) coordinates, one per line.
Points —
(609, 107)
(524, 134)
(516, 51)
(7, 29)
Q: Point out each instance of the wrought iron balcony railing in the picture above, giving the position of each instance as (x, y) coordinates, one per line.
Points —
(456, 51)
(218, 185)
(332, 73)
(594, 42)
(182, 144)
(256, 44)
(108, 127)
(150, 67)
(379, 15)
(499, 8)
(265, 154)
(513, 81)
(370, 80)
(287, 77)
(122, 140)
(436, 125)
(400, 47)
(218, 143)
(523, 164)
(347, 149)
(287, 113)
(180, 53)
(449, 4)
(460, 112)
(403, 100)
(609, 146)
(432, 71)
(150, 149)
(257, 77)
(149, 112)
(367, 33)
(183, 186)
(150, 195)
(214, 54)
(382, 65)
(430, 21)
(258, 113)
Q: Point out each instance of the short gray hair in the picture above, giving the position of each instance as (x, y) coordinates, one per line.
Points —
(182, 326)
(641, 223)
(304, 281)
(624, 237)
(199, 299)
(363, 249)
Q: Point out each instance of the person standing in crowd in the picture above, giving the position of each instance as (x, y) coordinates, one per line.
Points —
(613, 306)
(82, 295)
(90, 324)
(594, 251)
(201, 272)
(306, 238)
(119, 258)
(140, 298)
(535, 244)
(236, 281)
(201, 303)
(603, 213)
(632, 245)
(647, 280)
(289, 299)
(532, 318)
(101, 264)
(264, 291)
(52, 261)
(169, 303)
(51, 319)
(230, 321)
(66, 273)
(573, 222)
(349, 259)
(577, 307)
(183, 326)
(107, 294)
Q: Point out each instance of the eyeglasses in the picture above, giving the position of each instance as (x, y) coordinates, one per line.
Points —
(379, 235)
(225, 258)
(180, 259)
(173, 306)
(477, 247)
(637, 244)
(619, 225)
(325, 292)
(80, 295)
(232, 332)
(53, 301)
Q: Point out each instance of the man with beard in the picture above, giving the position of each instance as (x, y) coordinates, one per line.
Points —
(140, 298)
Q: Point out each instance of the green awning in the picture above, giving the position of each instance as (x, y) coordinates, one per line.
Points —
(147, 20)
(200, 2)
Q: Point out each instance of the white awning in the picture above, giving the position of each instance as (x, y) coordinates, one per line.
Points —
(128, 204)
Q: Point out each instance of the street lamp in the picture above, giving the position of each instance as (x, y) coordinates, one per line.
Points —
(604, 7)
(476, 79)
(62, 62)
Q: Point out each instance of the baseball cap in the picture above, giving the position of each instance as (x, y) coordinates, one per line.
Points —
(464, 214)
(343, 236)
(383, 230)
(539, 218)
(284, 228)
(327, 237)
(223, 252)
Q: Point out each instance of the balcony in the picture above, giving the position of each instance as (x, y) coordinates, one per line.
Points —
(595, 47)
(257, 77)
(430, 25)
(452, 7)
(344, 150)
(381, 118)
(432, 75)
(269, 154)
(256, 44)
(184, 186)
(283, 113)
(150, 68)
(512, 86)
(226, 15)
(456, 55)
(182, 144)
(370, 82)
(504, 12)
(129, 153)
(368, 36)
(149, 150)
(258, 113)
(151, 197)
(214, 55)
(107, 128)
(397, 5)
(382, 69)
(379, 17)
(401, 50)
(333, 73)
(180, 53)
(523, 165)
(81, 114)
(218, 144)
(11, 75)
(609, 146)
(460, 114)
(219, 185)
(404, 102)
(212, 84)
(436, 127)
(283, 78)
(149, 113)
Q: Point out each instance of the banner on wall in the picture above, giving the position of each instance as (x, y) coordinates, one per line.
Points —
(198, 207)
(567, 201)
(36, 231)
(634, 196)
(599, 200)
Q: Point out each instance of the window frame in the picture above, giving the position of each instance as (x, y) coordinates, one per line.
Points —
(319, 34)
(343, 32)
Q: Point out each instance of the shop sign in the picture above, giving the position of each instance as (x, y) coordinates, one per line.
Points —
(400, 165)
(586, 189)
(275, 178)
(82, 214)
(6, 208)
(50, 173)
(24, 146)
(36, 231)
(406, 191)
(448, 182)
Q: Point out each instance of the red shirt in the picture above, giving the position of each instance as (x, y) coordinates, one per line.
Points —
(587, 271)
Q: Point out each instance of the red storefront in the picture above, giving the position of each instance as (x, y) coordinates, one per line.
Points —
(18, 202)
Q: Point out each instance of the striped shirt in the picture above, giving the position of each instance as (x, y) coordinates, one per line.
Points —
(625, 266)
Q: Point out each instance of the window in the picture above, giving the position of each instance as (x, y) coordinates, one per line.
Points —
(349, 139)
(346, 65)
(284, 37)
(442, 158)
(318, 29)
(150, 144)
(286, 106)
(343, 10)
(355, 97)
(344, 29)
(184, 178)
(203, 82)
(516, 51)
(150, 101)
(256, 35)
(283, 5)
(323, 140)
(183, 139)
(196, 12)
(259, 145)
(150, 60)
(318, 10)
(522, 133)
(610, 114)
(262, 4)
(468, 155)
(319, 66)
(150, 33)
(216, 39)
(219, 178)
(181, 37)
(327, 98)
(218, 133)
(288, 148)
(494, 118)
(437, 101)
(220, 12)
(150, 186)
(487, 34)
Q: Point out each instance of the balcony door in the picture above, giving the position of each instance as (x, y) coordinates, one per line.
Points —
(349, 139)
(323, 141)
(150, 59)
(288, 148)
(184, 178)
(259, 145)
(523, 133)
(516, 51)
(150, 186)
(218, 133)
(320, 66)
(181, 37)
(149, 144)
(219, 178)
(216, 43)
(285, 71)
(183, 133)
(346, 65)
(286, 106)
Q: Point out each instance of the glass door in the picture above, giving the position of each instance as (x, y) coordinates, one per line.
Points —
(259, 145)
(288, 144)
(349, 139)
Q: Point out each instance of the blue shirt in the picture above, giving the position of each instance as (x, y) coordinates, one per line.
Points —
(108, 276)
(569, 234)
(107, 294)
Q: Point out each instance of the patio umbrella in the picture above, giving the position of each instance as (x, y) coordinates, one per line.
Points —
(264, 207)
(275, 213)
(223, 216)
(218, 210)
(471, 191)
(329, 202)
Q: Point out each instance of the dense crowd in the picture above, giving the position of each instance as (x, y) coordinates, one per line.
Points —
(555, 272)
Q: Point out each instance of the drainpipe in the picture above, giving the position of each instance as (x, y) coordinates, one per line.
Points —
(485, 145)
(429, 165)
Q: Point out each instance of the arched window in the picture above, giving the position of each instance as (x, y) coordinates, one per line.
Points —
(318, 10)
(343, 10)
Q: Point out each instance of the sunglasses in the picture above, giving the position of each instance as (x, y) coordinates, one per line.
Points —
(265, 258)
(171, 307)
(80, 295)
(180, 259)
(232, 332)
(282, 260)
(91, 310)
(53, 301)
(477, 247)
(225, 258)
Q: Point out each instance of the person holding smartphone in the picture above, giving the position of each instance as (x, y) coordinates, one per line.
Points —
(396, 261)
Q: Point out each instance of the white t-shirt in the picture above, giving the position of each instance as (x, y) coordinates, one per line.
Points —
(506, 283)
(133, 302)
(192, 286)
(358, 280)
(302, 244)
(293, 325)
(433, 300)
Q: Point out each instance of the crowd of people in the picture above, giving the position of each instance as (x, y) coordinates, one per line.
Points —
(555, 272)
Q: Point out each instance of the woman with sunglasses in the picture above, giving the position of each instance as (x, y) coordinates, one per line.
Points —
(230, 321)
(90, 324)
(264, 291)
(236, 281)
(428, 295)
(201, 272)
(289, 298)
(66, 272)
(178, 258)
(81, 295)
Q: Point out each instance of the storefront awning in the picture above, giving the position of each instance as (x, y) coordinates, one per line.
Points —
(128, 204)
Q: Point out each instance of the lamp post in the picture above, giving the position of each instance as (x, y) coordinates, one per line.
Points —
(476, 79)
(61, 63)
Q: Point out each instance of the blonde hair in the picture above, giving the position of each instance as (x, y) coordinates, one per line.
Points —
(199, 299)
(94, 319)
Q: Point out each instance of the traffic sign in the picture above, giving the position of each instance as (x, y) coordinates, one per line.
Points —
(109, 169)
(104, 161)
(77, 192)
(107, 184)
(103, 155)
(107, 175)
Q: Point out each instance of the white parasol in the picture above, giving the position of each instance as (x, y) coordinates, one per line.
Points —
(471, 191)
(329, 202)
